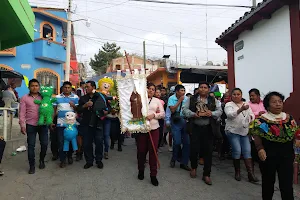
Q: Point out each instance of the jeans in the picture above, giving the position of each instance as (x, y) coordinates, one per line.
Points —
(54, 142)
(92, 135)
(180, 136)
(80, 140)
(62, 153)
(239, 144)
(144, 146)
(115, 133)
(161, 132)
(31, 140)
(202, 141)
(107, 125)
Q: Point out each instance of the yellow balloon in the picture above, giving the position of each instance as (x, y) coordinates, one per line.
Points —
(26, 80)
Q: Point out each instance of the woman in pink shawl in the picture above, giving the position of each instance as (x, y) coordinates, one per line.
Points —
(257, 107)
(256, 103)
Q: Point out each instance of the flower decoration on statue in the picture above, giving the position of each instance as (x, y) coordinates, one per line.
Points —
(115, 107)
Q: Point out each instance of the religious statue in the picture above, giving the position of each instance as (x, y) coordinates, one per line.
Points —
(136, 105)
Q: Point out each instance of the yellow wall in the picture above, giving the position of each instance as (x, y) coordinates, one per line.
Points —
(162, 77)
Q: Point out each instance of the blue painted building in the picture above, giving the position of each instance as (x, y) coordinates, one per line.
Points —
(44, 58)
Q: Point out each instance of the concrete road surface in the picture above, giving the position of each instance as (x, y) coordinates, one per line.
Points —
(118, 180)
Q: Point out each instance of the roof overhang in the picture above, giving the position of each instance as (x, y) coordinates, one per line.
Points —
(264, 10)
(43, 11)
(158, 71)
(16, 22)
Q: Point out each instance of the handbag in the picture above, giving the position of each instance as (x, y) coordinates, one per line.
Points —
(216, 128)
(175, 117)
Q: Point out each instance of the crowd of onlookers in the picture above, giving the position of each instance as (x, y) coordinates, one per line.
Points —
(192, 125)
(255, 131)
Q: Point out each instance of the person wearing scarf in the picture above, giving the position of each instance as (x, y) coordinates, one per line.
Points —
(273, 134)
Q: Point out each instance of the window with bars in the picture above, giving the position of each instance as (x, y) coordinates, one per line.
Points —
(47, 78)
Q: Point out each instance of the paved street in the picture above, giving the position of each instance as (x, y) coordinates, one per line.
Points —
(118, 180)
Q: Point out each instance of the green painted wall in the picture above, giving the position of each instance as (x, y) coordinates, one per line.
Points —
(16, 23)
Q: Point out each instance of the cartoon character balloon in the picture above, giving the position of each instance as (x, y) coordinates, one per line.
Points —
(70, 132)
(105, 85)
(46, 108)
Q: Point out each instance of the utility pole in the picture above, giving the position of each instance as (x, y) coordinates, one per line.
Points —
(68, 45)
(206, 32)
(254, 3)
(144, 50)
(180, 48)
(176, 55)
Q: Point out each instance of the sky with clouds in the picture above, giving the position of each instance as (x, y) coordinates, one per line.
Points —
(129, 23)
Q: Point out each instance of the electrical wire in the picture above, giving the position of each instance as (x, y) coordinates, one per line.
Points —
(115, 5)
(157, 45)
(172, 35)
(46, 4)
(150, 53)
(192, 4)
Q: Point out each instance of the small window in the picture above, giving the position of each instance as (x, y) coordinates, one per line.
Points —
(47, 31)
(118, 67)
(48, 79)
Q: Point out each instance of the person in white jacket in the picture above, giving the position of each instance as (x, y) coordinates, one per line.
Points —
(239, 115)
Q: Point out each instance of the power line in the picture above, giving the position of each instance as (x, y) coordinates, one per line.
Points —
(114, 5)
(150, 53)
(192, 4)
(157, 45)
(158, 32)
(179, 28)
(158, 10)
(172, 35)
(47, 4)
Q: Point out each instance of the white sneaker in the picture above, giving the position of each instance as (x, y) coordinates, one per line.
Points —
(21, 149)
(171, 149)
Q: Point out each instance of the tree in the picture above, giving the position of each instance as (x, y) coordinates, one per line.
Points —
(105, 55)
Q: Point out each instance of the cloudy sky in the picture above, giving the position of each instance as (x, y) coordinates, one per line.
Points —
(129, 23)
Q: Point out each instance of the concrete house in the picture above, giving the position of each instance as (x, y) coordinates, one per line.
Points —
(263, 49)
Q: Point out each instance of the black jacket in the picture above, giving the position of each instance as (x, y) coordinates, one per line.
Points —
(92, 116)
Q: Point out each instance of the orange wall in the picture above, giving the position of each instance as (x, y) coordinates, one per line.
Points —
(162, 77)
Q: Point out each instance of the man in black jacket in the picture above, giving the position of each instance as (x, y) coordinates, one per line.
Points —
(92, 108)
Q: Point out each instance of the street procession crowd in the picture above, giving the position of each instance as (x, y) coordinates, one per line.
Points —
(192, 125)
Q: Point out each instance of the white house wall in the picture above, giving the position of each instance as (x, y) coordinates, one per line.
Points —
(265, 62)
